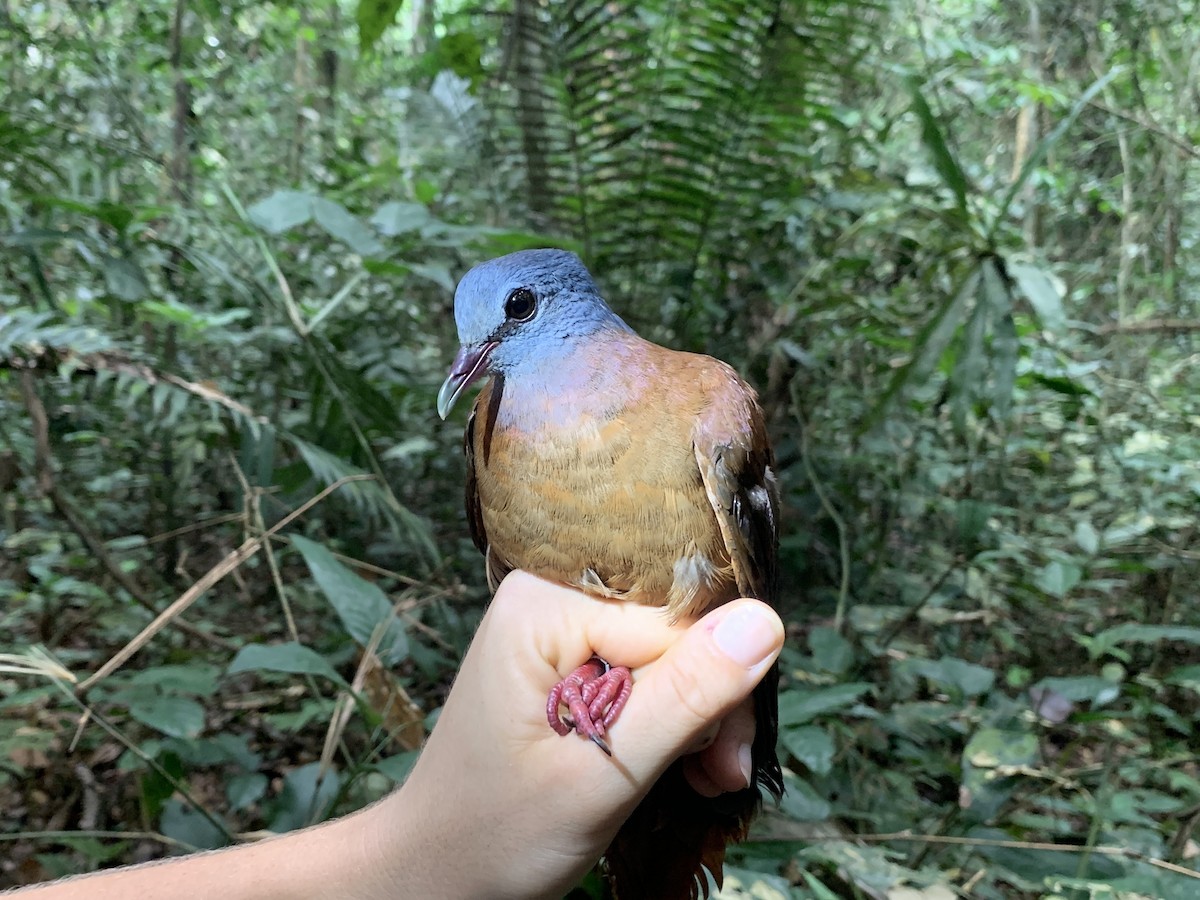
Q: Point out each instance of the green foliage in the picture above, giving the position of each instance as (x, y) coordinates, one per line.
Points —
(953, 246)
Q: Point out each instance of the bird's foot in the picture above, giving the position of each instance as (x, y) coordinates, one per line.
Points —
(594, 694)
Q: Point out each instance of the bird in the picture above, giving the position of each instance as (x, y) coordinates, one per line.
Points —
(633, 472)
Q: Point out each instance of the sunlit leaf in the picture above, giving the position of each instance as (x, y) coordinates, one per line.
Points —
(291, 658)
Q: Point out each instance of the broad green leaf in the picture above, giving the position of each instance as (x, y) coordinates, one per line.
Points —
(374, 17)
(198, 679)
(798, 705)
(292, 658)
(972, 518)
(397, 767)
(990, 762)
(1044, 293)
(994, 291)
(831, 652)
(125, 279)
(181, 822)
(245, 789)
(969, 678)
(801, 802)
(811, 745)
(1057, 578)
(1185, 677)
(175, 716)
(282, 210)
(306, 797)
(438, 273)
(1127, 528)
(338, 223)
(928, 346)
(1080, 688)
(396, 218)
(1086, 537)
(361, 605)
(744, 884)
(966, 378)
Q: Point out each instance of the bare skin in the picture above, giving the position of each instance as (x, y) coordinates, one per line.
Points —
(499, 805)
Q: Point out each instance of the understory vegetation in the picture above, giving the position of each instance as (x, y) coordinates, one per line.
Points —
(952, 243)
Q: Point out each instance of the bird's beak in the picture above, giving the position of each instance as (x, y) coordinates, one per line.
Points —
(468, 365)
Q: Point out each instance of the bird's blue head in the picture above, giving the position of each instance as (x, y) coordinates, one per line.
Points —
(519, 311)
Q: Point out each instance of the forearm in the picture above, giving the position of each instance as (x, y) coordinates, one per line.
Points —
(352, 858)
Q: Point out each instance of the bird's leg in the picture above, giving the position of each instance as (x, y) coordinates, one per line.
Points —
(594, 694)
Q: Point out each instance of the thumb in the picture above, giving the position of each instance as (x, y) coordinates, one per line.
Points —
(701, 678)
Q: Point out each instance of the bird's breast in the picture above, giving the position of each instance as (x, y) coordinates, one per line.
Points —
(600, 494)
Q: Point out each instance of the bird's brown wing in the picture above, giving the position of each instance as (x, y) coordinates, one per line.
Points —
(738, 478)
(496, 568)
(674, 834)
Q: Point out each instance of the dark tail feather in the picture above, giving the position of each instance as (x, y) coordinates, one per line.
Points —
(674, 835)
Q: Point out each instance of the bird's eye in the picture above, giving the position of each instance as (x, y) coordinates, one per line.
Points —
(520, 305)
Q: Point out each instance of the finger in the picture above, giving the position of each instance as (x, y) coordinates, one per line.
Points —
(726, 763)
(700, 679)
(569, 626)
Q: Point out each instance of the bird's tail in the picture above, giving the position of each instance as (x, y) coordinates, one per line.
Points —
(663, 850)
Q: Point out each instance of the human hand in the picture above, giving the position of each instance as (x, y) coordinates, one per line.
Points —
(499, 805)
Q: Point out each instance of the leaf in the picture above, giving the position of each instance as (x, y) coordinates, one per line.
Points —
(292, 658)
(928, 347)
(801, 802)
(1057, 578)
(338, 223)
(175, 716)
(282, 210)
(990, 762)
(245, 789)
(397, 767)
(1006, 346)
(197, 679)
(374, 17)
(811, 745)
(969, 678)
(798, 705)
(181, 822)
(1044, 293)
(1086, 537)
(743, 884)
(361, 605)
(1080, 688)
(306, 797)
(1128, 527)
(935, 142)
(395, 218)
(831, 652)
(124, 279)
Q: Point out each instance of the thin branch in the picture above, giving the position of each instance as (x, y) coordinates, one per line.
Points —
(231, 561)
(1151, 326)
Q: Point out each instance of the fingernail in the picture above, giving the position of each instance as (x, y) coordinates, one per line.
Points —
(747, 635)
(745, 760)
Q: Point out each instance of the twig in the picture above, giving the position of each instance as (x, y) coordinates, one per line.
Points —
(231, 561)
(915, 610)
(838, 521)
(1151, 326)
(1048, 846)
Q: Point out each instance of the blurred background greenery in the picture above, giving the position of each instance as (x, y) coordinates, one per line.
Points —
(953, 243)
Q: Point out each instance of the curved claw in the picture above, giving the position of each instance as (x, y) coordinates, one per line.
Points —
(594, 695)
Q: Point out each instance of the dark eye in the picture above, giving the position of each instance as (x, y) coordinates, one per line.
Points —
(520, 305)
